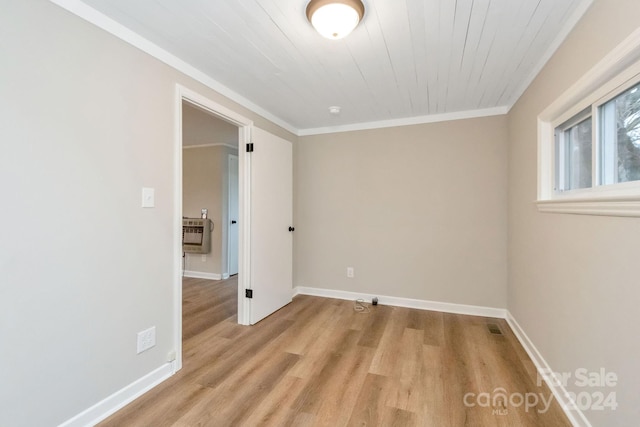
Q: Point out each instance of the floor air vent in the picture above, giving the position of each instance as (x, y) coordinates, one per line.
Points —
(494, 329)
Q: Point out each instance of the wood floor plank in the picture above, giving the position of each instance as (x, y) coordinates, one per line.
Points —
(232, 359)
(394, 417)
(376, 326)
(275, 409)
(342, 390)
(316, 318)
(356, 320)
(330, 337)
(370, 407)
(317, 362)
(432, 383)
(458, 377)
(311, 396)
(405, 385)
(207, 303)
(433, 326)
(388, 353)
(233, 403)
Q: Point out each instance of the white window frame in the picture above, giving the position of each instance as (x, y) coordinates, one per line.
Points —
(616, 73)
(560, 148)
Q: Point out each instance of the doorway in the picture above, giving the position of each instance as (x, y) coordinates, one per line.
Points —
(210, 195)
(210, 190)
(242, 126)
(265, 217)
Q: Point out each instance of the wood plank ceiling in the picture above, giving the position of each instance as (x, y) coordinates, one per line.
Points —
(407, 59)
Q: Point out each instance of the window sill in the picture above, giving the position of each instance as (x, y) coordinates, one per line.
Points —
(618, 206)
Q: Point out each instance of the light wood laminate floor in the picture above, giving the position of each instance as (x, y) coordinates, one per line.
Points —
(317, 362)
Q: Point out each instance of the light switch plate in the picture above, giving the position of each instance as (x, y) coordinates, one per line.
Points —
(148, 197)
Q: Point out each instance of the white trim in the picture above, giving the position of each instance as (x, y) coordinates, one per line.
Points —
(626, 207)
(244, 226)
(184, 94)
(177, 228)
(118, 30)
(446, 307)
(215, 144)
(204, 275)
(121, 398)
(575, 415)
(408, 121)
(213, 107)
(231, 158)
(102, 21)
(612, 72)
(615, 62)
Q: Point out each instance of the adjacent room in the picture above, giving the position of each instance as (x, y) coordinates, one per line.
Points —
(245, 213)
(210, 212)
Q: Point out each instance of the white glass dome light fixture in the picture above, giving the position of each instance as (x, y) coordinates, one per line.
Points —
(335, 19)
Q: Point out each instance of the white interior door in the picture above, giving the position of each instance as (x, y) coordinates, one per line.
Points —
(271, 217)
(232, 246)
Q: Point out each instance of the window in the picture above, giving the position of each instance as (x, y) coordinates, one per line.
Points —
(574, 154)
(589, 140)
(617, 156)
(620, 138)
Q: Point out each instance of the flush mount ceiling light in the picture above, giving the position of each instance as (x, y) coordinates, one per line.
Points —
(335, 19)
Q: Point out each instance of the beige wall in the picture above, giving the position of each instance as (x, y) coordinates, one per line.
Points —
(86, 121)
(573, 280)
(418, 211)
(202, 128)
(205, 185)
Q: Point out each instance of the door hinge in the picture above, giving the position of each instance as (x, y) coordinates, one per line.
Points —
(250, 147)
(248, 293)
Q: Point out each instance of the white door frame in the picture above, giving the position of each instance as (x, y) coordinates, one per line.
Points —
(231, 158)
(244, 207)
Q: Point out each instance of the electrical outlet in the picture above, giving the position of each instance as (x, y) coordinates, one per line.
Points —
(146, 339)
(350, 273)
(203, 258)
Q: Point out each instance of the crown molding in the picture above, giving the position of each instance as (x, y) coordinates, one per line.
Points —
(408, 121)
(109, 25)
(91, 15)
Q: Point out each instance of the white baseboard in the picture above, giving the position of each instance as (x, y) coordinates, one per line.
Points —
(471, 310)
(203, 275)
(575, 415)
(121, 398)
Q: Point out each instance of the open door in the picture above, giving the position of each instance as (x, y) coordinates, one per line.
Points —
(271, 220)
